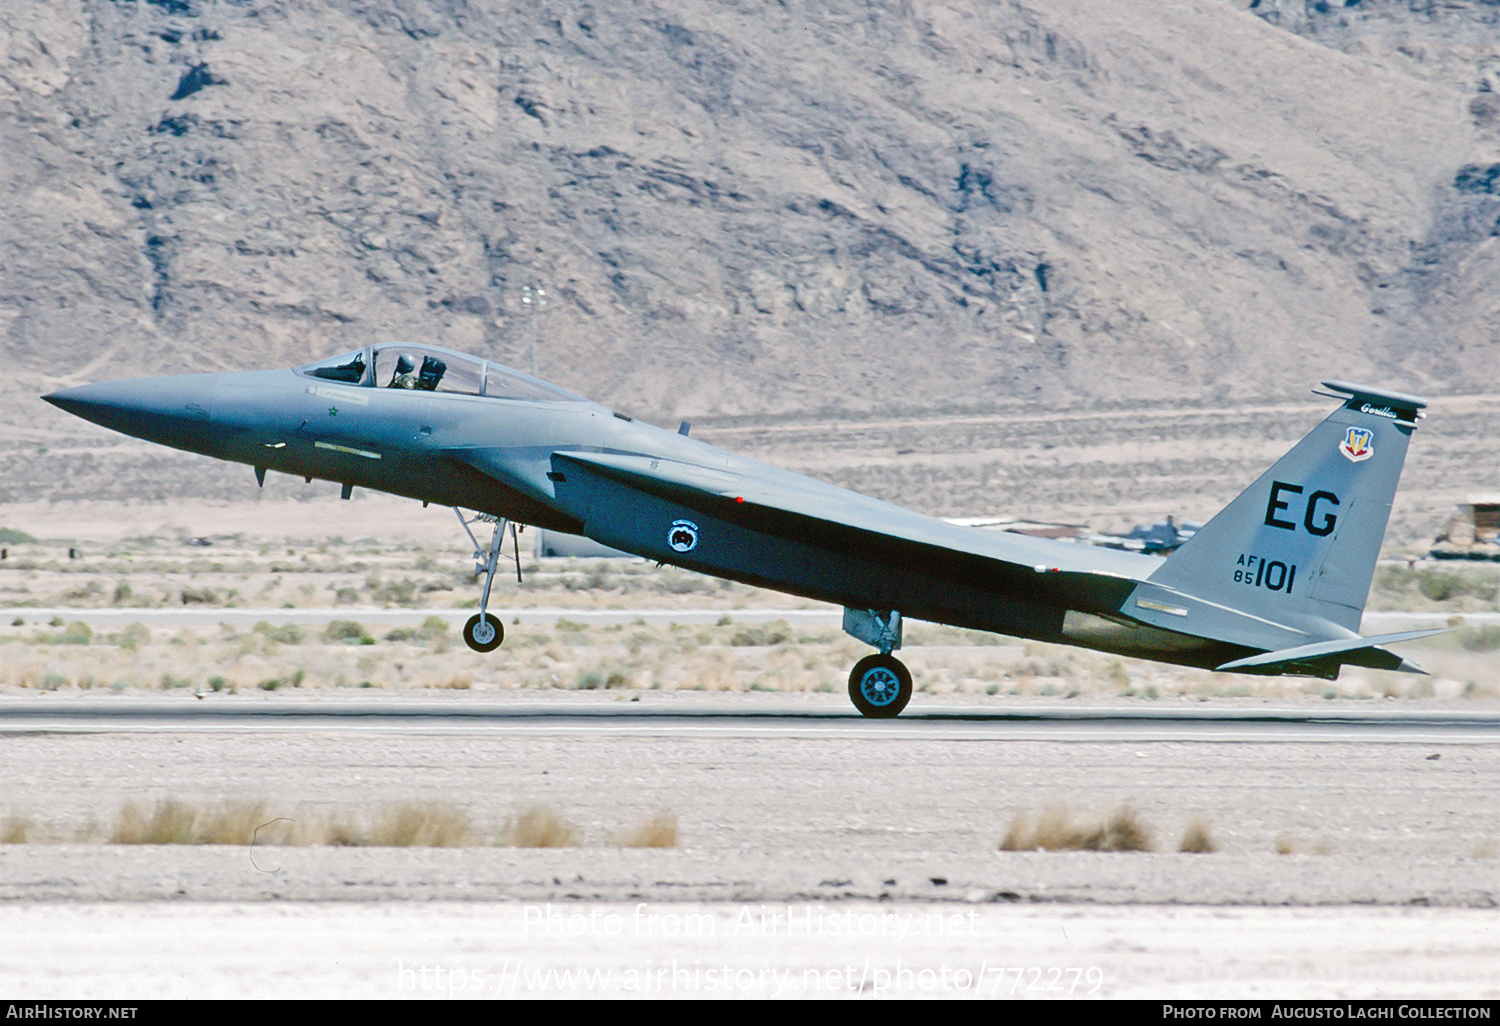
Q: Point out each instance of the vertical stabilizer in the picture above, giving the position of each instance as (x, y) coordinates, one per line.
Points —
(1300, 544)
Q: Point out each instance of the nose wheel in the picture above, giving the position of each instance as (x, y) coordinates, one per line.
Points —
(483, 633)
(880, 686)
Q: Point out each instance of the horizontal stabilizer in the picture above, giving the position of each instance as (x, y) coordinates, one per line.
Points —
(1278, 662)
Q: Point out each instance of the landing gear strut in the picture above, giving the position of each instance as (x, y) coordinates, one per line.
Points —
(879, 685)
(483, 632)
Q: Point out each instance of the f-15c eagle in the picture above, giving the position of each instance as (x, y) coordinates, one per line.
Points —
(1274, 584)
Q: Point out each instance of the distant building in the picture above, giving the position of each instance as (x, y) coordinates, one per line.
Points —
(1474, 531)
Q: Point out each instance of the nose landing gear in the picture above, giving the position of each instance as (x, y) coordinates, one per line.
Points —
(483, 632)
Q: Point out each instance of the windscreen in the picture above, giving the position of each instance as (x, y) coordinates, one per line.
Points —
(349, 368)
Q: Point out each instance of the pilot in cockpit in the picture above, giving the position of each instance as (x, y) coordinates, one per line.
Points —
(405, 375)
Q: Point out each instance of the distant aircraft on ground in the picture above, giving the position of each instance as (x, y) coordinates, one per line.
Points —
(1274, 584)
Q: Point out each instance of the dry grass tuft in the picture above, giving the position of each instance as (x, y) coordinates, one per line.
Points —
(171, 822)
(660, 831)
(14, 830)
(420, 825)
(1054, 830)
(335, 829)
(1285, 845)
(1196, 839)
(540, 827)
(413, 824)
(234, 823)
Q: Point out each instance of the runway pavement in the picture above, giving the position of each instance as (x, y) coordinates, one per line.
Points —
(743, 716)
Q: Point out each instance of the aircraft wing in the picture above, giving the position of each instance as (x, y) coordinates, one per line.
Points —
(782, 503)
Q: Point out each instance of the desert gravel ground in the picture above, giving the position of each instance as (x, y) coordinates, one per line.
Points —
(1343, 868)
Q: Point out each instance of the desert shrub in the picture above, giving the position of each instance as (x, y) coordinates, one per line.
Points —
(286, 634)
(1440, 586)
(399, 593)
(76, 633)
(291, 680)
(1483, 638)
(433, 628)
(347, 632)
(132, 637)
(778, 632)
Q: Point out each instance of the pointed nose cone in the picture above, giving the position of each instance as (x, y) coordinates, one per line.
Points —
(173, 410)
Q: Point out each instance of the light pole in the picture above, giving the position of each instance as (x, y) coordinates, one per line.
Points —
(535, 299)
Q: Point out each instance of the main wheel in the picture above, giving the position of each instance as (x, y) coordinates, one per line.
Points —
(880, 686)
(483, 633)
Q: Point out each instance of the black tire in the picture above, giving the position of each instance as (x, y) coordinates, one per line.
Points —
(880, 686)
(492, 627)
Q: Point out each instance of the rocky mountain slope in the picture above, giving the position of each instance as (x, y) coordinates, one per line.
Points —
(742, 209)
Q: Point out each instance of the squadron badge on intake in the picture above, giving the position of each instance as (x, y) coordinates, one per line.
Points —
(683, 535)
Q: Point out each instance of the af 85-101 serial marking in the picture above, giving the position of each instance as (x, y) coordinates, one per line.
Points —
(1276, 583)
(1268, 573)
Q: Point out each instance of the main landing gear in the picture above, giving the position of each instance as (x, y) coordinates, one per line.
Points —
(483, 632)
(879, 685)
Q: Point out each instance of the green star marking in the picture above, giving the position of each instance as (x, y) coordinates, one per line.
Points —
(333, 411)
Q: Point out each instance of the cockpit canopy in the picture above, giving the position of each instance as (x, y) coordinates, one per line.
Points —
(422, 368)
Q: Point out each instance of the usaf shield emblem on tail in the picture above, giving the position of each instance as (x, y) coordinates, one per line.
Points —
(1356, 445)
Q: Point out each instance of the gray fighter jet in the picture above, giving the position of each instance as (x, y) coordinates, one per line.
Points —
(1274, 584)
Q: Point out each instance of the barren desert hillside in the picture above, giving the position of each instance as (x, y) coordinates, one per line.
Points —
(746, 210)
